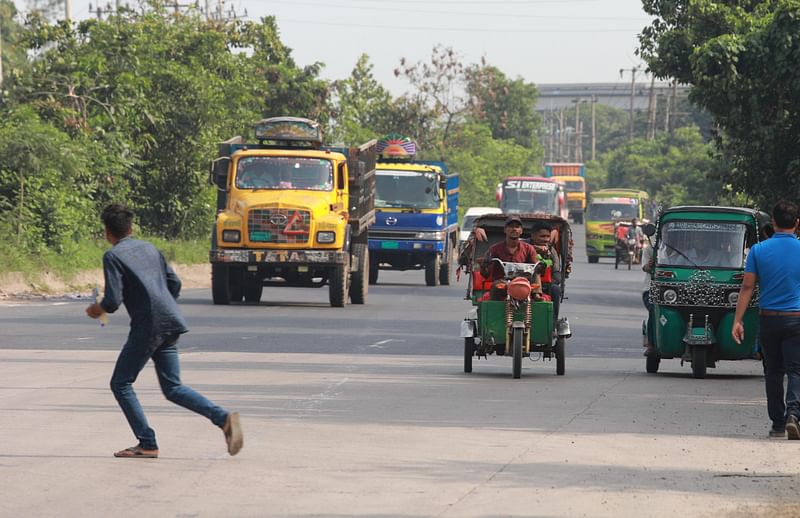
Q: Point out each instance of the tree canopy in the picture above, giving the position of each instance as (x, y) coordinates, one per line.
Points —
(740, 57)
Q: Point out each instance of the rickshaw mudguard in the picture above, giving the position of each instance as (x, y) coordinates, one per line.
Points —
(728, 348)
(670, 329)
(542, 323)
(492, 321)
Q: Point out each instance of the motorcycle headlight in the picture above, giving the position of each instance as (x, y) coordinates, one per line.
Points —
(231, 236)
(326, 236)
(670, 296)
(733, 297)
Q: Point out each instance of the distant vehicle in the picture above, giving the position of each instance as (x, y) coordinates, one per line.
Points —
(606, 207)
(573, 177)
(469, 217)
(530, 195)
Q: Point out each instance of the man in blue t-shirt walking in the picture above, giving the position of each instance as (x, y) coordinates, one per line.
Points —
(774, 265)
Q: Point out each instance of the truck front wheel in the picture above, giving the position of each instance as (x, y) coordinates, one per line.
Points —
(432, 270)
(359, 279)
(220, 284)
(446, 269)
(373, 270)
(337, 289)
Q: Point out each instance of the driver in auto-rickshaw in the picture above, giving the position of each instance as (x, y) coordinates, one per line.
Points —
(511, 249)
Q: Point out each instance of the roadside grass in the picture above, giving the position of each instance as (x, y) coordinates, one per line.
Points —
(76, 257)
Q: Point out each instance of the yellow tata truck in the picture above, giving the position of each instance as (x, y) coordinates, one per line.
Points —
(291, 212)
(573, 177)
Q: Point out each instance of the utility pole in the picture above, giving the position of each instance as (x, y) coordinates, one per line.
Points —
(577, 129)
(561, 135)
(633, 87)
(666, 112)
(1, 52)
(552, 137)
(651, 110)
(594, 134)
(674, 103)
(68, 10)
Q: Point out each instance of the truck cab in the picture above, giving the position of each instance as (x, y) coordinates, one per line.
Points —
(416, 223)
(573, 177)
(291, 212)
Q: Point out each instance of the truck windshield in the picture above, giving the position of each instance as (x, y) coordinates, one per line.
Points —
(573, 186)
(609, 211)
(519, 201)
(702, 244)
(284, 173)
(407, 190)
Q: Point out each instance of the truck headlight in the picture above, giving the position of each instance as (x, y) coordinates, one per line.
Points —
(231, 236)
(670, 296)
(434, 236)
(326, 236)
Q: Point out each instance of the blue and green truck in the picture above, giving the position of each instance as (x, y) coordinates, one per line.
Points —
(416, 220)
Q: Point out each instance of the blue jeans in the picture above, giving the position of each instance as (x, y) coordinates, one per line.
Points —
(131, 361)
(780, 347)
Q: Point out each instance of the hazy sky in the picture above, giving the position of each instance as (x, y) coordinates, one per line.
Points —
(542, 41)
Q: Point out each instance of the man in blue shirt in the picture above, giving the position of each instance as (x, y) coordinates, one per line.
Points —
(774, 266)
(137, 275)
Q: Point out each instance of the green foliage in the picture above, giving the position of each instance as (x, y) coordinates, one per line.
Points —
(36, 162)
(677, 169)
(506, 106)
(484, 162)
(741, 60)
(360, 106)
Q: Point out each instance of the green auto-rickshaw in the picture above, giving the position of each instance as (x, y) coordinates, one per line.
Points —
(518, 326)
(697, 269)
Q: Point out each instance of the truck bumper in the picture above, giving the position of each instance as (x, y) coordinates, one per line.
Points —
(310, 257)
(405, 246)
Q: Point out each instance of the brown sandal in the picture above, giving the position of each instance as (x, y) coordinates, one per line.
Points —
(137, 452)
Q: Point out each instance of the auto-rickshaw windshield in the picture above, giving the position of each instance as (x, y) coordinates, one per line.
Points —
(407, 190)
(704, 244)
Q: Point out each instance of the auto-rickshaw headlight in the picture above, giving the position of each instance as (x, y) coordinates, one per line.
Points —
(733, 297)
(670, 296)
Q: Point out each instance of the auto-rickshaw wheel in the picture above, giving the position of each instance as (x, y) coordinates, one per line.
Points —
(469, 352)
(561, 355)
(630, 259)
(516, 363)
(616, 260)
(652, 362)
(699, 361)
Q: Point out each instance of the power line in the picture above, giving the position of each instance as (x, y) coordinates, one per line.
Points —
(453, 29)
(457, 13)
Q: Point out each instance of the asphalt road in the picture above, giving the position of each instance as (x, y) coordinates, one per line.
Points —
(366, 411)
(402, 316)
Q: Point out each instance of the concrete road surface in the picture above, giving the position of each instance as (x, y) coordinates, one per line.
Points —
(366, 411)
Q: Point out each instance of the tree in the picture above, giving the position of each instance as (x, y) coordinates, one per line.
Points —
(741, 60)
(360, 104)
(483, 162)
(677, 169)
(506, 106)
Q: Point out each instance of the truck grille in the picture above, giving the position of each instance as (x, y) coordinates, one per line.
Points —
(383, 234)
(278, 225)
(574, 204)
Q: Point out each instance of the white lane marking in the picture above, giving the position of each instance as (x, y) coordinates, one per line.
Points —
(379, 345)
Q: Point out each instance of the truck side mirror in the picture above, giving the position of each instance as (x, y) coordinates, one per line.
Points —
(649, 229)
(219, 173)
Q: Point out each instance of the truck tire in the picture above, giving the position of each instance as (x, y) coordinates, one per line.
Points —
(337, 285)
(373, 270)
(253, 290)
(432, 270)
(446, 269)
(220, 284)
(359, 279)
